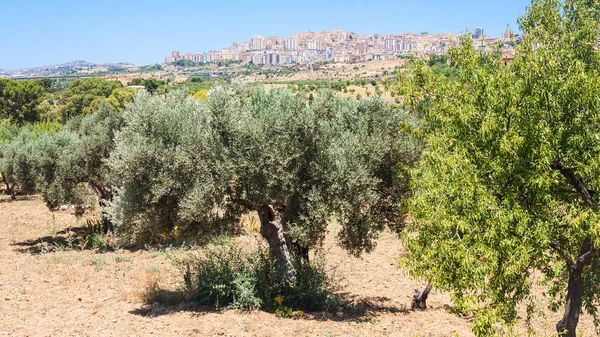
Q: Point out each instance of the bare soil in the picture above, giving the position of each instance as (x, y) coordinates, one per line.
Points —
(51, 286)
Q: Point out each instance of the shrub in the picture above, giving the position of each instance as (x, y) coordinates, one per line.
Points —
(227, 277)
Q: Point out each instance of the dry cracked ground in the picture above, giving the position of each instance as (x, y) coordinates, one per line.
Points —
(51, 287)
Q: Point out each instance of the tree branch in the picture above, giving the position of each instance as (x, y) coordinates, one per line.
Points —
(575, 181)
(565, 255)
(587, 253)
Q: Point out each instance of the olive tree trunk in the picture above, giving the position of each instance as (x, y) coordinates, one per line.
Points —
(272, 229)
(9, 190)
(105, 195)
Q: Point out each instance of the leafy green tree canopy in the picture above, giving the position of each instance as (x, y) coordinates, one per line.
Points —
(507, 185)
(152, 85)
(83, 97)
(19, 100)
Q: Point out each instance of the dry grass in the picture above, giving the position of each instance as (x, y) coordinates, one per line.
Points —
(75, 292)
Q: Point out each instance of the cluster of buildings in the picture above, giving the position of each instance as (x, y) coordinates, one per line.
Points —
(336, 46)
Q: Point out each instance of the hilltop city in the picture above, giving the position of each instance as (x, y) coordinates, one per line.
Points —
(336, 46)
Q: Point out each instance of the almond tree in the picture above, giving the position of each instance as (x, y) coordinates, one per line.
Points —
(507, 185)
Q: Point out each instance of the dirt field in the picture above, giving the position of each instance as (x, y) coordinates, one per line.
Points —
(334, 72)
(50, 287)
(353, 91)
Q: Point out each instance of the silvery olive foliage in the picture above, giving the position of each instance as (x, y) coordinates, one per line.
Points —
(184, 167)
(60, 163)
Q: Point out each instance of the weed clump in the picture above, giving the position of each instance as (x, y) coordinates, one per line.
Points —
(227, 277)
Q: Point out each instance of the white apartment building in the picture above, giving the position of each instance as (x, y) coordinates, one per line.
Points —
(390, 44)
(313, 45)
(257, 42)
(291, 43)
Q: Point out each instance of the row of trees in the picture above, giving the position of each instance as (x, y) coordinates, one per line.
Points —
(187, 168)
(32, 101)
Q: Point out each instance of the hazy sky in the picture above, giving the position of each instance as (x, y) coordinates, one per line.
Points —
(39, 32)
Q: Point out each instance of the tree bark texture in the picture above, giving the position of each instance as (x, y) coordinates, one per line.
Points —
(567, 326)
(419, 301)
(9, 190)
(272, 229)
(104, 195)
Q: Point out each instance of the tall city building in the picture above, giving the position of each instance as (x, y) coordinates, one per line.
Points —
(257, 42)
(390, 43)
(235, 48)
(478, 33)
(291, 43)
(313, 45)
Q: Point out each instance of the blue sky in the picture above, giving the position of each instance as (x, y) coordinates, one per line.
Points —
(38, 32)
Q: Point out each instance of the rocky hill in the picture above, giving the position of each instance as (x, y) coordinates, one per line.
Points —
(69, 68)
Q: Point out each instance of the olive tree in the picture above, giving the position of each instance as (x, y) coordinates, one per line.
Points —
(16, 167)
(58, 164)
(185, 166)
(507, 185)
(8, 131)
(75, 156)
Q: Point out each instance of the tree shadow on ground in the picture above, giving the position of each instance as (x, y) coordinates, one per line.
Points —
(72, 238)
(80, 238)
(4, 198)
(353, 308)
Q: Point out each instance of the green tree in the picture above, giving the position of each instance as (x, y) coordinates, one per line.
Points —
(119, 97)
(8, 131)
(60, 162)
(136, 81)
(151, 85)
(45, 83)
(188, 167)
(507, 185)
(19, 100)
(18, 158)
(83, 97)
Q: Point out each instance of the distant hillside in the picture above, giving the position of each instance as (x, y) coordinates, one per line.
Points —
(69, 68)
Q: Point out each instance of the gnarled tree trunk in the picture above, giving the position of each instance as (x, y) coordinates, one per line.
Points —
(419, 301)
(104, 195)
(567, 326)
(9, 190)
(272, 229)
